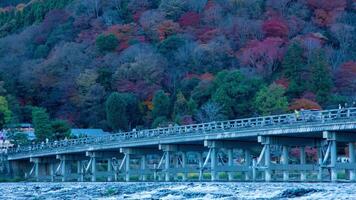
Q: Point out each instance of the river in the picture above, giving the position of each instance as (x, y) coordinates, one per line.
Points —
(193, 190)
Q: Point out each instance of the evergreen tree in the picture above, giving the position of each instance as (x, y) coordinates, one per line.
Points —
(180, 105)
(61, 129)
(235, 92)
(107, 42)
(294, 69)
(271, 100)
(42, 124)
(321, 77)
(161, 105)
(115, 107)
(5, 113)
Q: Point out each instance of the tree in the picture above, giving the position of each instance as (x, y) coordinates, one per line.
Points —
(180, 106)
(321, 82)
(42, 124)
(262, 56)
(107, 42)
(275, 27)
(304, 104)
(209, 112)
(345, 79)
(161, 104)
(5, 113)
(115, 107)
(271, 100)
(61, 129)
(293, 65)
(235, 93)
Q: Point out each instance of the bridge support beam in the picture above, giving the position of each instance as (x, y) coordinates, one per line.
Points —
(352, 160)
(248, 164)
(184, 165)
(285, 161)
(303, 176)
(109, 169)
(230, 160)
(143, 167)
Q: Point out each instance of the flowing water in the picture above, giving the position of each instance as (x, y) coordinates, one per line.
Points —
(188, 190)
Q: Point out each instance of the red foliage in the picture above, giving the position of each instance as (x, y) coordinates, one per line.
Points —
(345, 78)
(311, 153)
(326, 11)
(209, 34)
(262, 55)
(284, 82)
(189, 19)
(136, 87)
(207, 77)
(275, 27)
(167, 28)
(89, 35)
(309, 95)
(304, 104)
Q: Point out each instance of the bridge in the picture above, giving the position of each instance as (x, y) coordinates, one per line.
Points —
(312, 146)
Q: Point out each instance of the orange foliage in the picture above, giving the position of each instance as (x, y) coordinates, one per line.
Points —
(304, 104)
(167, 28)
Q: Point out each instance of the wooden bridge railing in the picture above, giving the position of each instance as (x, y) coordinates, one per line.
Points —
(304, 117)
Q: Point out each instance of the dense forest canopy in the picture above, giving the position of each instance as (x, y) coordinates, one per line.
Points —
(123, 64)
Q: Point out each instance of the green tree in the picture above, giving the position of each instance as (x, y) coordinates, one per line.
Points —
(115, 108)
(235, 92)
(107, 42)
(271, 100)
(5, 113)
(161, 105)
(61, 129)
(294, 68)
(180, 105)
(132, 109)
(42, 124)
(321, 77)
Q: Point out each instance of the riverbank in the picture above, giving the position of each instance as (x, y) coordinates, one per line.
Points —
(226, 191)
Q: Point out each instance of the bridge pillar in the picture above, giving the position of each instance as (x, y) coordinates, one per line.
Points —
(109, 169)
(64, 169)
(143, 167)
(80, 171)
(52, 171)
(230, 160)
(213, 164)
(93, 169)
(37, 166)
(285, 162)
(320, 163)
(247, 164)
(268, 174)
(302, 162)
(184, 165)
(200, 163)
(167, 165)
(331, 138)
(352, 160)
(127, 167)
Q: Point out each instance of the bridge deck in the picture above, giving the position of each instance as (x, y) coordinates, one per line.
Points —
(308, 124)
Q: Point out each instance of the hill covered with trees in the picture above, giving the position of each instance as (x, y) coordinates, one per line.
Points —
(122, 64)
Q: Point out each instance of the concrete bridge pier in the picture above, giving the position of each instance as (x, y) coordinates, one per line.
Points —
(303, 175)
(352, 161)
(230, 162)
(143, 167)
(248, 163)
(184, 165)
(285, 162)
(64, 166)
(42, 168)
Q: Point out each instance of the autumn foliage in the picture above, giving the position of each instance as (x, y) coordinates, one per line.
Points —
(304, 104)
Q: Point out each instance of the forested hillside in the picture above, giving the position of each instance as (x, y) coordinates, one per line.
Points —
(121, 64)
